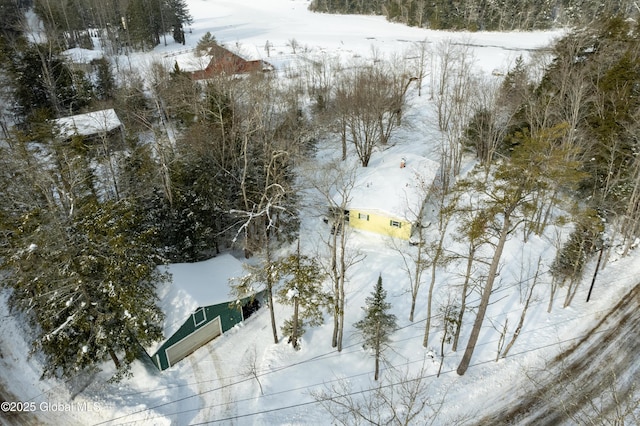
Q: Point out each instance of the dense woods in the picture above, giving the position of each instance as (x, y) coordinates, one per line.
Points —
(204, 166)
(117, 25)
(481, 15)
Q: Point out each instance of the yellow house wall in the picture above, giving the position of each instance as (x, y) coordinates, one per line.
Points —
(379, 224)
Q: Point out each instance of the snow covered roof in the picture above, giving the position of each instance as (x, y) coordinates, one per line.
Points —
(88, 124)
(386, 187)
(193, 285)
(220, 58)
(187, 61)
(79, 55)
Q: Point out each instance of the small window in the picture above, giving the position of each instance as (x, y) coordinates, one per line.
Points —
(395, 224)
(363, 216)
(199, 317)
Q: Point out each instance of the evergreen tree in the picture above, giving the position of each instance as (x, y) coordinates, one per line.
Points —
(139, 181)
(43, 84)
(105, 82)
(12, 13)
(149, 20)
(189, 223)
(302, 288)
(523, 187)
(205, 43)
(87, 285)
(180, 17)
(142, 25)
(568, 267)
(474, 15)
(378, 323)
(516, 81)
(591, 85)
(65, 22)
(82, 270)
(25, 71)
(572, 258)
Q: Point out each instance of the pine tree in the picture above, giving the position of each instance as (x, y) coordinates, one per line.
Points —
(378, 323)
(180, 17)
(11, 12)
(87, 285)
(206, 43)
(104, 79)
(568, 266)
(522, 187)
(43, 84)
(82, 270)
(189, 222)
(142, 27)
(302, 288)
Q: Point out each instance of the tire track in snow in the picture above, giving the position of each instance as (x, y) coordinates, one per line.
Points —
(222, 396)
(199, 373)
(582, 373)
(226, 397)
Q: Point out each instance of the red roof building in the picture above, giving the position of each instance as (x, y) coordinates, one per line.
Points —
(226, 62)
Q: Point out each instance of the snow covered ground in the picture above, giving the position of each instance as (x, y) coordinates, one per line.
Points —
(242, 377)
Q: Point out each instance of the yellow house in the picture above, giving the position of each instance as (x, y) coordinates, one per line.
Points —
(380, 223)
(388, 195)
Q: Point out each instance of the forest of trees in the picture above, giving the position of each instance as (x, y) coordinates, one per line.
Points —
(206, 166)
(117, 24)
(482, 15)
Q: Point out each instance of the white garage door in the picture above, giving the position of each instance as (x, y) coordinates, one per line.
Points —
(189, 344)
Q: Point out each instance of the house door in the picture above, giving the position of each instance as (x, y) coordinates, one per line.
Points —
(195, 340)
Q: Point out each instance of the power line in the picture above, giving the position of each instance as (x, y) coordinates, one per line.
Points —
(388, 385)
(284, 367)
(332, 354)
(320, 356)
(302, 404)
(326, 354)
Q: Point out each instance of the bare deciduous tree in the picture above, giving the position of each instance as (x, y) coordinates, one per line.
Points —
(419, 57)
(251, 366)
(523, 314)
(435, 249)
(333, 183)
(490, 122)
(404, 399)
(454, 95)
(370, 99)
(415, 259)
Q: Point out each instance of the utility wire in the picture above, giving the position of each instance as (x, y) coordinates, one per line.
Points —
(334, 353)
(330, 354)
(302, 404)
(321, 356)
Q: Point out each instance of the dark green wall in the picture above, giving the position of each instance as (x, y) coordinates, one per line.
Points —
(229, 317)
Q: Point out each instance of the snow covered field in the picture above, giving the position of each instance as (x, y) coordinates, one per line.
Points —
(242, 377)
